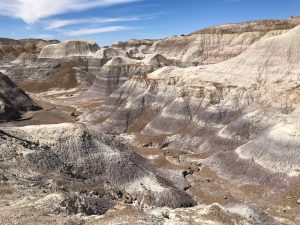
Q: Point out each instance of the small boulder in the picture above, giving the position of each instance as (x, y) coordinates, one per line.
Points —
(73, 114)
(165, 145)
(147, 145)
(3, 178)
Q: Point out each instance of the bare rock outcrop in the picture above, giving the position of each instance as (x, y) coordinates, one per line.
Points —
(207, 48)
(210, 45)
(218, 107)
(80, 153)
(11, 49)
(69, 49)
(258, 25)
(7, 111)
(115, 71)
(133, 43)
(235, 214)
(13, 100)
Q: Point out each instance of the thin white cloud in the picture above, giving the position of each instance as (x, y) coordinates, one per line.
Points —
(63, 23)
(83, 32)
(55, 24)
(33, 10)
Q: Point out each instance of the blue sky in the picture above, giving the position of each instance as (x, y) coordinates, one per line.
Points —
(107, 21)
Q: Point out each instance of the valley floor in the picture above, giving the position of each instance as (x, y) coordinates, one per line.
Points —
(223, 200)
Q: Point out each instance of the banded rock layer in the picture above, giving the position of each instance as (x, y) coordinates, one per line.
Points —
(69, 49)
(85, 62)
(21, 49)
(218, 107)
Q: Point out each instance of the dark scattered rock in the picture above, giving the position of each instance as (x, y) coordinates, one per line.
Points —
(147, 145)
(3, 178)
(87, 205)
(185, 173)
(74, 114)
(166, 215)
(165, 145)
(284, 210)
(128, 199)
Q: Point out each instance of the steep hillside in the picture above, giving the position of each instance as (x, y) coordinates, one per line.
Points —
(69, 49)
(13, 100)
(211, 45)
(72, 154)
(238, 99)
(240, 115)
(252, 26)
(11, 49)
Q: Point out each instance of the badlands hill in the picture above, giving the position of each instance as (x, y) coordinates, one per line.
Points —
(13, 100)
(12, 49)
(192, 129)
(69, 49)
(258, 25)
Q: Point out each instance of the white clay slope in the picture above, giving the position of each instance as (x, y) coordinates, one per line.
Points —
(273, 59)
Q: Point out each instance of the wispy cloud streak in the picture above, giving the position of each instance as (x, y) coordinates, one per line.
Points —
(32, 11)
(83, 32)
(59, 23)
